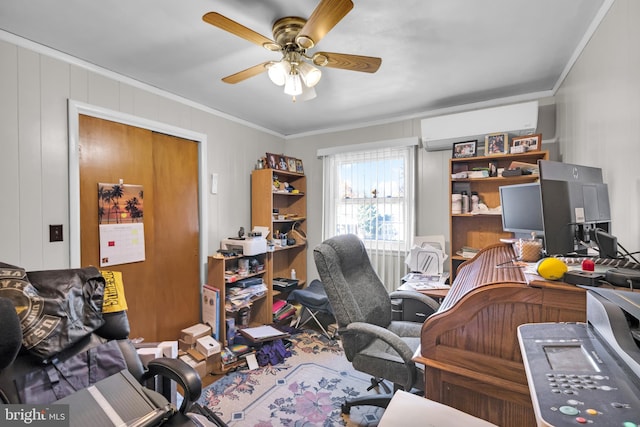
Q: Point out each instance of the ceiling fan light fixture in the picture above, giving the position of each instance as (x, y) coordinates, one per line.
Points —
(272, 46)
(293, 84)
(308, 93)
(305, 42)
(320, 60)
(310, 74)
(278, 72)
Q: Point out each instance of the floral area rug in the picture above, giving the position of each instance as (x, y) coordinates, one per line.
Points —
(305, 390)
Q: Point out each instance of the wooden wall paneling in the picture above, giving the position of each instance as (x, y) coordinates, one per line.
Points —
(176, 231)
(163, 291)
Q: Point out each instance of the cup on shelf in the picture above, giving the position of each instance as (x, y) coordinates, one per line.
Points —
(456, 203)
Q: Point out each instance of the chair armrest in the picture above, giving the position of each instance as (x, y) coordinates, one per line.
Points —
(179, 371)
(385, 335)
(427, 300)
(393, 340)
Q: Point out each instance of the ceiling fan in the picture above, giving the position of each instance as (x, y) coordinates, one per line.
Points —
(292, 37)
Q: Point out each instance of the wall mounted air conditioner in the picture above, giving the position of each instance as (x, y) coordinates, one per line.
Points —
(439, 133)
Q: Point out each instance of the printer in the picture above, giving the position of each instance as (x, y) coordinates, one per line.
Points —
(586, 373)
(245, 245)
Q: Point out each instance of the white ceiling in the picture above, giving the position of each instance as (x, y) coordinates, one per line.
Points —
(435, 54)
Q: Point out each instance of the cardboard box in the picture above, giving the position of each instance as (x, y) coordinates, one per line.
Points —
(184, 346)
(207, 346)
(169, 348)
(192, 333)
(148, 353)
(214, 364)
(199, 357)
(200, 367)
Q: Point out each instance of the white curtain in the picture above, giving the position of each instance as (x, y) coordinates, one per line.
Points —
(369, 191)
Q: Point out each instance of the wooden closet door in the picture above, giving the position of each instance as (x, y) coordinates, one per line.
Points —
(163, 291)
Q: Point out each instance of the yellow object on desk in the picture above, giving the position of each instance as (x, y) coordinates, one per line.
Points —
(551, 268)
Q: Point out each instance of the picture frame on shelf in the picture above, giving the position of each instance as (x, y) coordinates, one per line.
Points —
(299, 167)
(282, 163)
(291, 164)
(523, 144)
(496, 144)
(465, 149)
(272, 161)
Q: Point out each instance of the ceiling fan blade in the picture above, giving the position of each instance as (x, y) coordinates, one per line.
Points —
(224, 23)
(245, 74)
(325, 16)
(367, 64)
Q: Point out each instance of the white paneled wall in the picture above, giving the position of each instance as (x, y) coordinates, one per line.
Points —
(35, 86)
(598, 108)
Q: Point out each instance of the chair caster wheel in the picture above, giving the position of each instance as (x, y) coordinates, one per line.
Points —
(346, 409)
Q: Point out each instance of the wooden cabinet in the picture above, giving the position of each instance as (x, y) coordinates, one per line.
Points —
(223, 272)
(279, 210)
(478, 230)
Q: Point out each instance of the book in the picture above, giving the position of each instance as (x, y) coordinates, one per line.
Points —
(278, 305)
(468, 252)
(288, 312)
(211, 308)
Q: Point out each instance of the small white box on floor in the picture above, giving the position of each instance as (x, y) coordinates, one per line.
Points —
(207, 346)
(191, 334)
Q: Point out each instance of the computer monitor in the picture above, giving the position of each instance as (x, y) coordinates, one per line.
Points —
(522, 210)
(575, 204)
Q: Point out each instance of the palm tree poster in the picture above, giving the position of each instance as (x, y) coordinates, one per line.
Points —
(120, 219)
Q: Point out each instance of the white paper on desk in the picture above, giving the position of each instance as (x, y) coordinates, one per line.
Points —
(426, 259)
(409, 410)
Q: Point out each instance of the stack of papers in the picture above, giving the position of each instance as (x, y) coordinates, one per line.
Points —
(468, 252)
(421, 282)
(237, 298)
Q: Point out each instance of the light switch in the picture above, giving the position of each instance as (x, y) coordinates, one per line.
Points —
(214, 183)
(55, 233)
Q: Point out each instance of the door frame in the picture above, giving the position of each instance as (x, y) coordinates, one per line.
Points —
(77, 108)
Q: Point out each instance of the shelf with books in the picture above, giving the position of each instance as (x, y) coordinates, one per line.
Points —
(280, 211)
(478, 229)
(224, 275)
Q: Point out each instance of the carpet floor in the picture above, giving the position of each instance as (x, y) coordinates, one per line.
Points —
(305, 390)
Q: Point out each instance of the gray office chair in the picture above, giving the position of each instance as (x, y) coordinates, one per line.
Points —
(373, 343)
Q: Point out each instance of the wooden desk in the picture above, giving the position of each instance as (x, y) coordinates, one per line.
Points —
(437, 294)
(470, 347)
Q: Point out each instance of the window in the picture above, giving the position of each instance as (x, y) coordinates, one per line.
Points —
(370, 193)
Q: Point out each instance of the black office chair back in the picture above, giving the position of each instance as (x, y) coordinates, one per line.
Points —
(354, 289)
